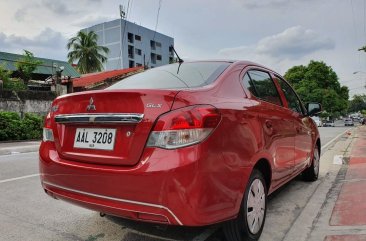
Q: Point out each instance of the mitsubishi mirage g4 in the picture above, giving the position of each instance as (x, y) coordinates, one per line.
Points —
(192, 144)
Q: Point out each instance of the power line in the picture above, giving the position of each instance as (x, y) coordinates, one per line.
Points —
(156, 24)
(128, 7)
(355, 30)
(364, 19)
(129, 10)
(157, 18)
(353, 19)
(123, 34)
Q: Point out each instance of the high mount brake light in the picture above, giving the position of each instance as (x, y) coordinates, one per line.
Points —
(184, 127)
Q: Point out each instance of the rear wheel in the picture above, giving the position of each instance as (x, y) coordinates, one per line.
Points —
(250, 221)
(311, 173)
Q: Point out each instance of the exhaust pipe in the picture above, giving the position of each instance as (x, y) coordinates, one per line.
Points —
(102, 214)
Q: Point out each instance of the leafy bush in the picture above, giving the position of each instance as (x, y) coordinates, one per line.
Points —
(14, 84)
(8, 82)
(9, 123)
(12, 127)
(4, 74)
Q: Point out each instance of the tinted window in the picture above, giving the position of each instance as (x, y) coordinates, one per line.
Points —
(261, 85)
(174, 76)
(292, 99)
(249, 85)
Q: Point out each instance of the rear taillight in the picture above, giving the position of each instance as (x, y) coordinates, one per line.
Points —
(47, 134)
(47, 131)
(184, 127)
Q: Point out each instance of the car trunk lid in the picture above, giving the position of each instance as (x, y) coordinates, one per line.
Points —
(107, 127)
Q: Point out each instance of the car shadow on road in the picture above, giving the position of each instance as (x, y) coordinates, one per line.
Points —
(156, 232)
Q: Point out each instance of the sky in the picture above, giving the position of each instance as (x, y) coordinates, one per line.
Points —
(276, 33)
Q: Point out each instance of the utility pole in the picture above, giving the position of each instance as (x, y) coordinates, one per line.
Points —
(122, 14)
(58, 80)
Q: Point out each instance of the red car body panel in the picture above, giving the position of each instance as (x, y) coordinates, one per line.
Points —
(195, 185)
(111, 102)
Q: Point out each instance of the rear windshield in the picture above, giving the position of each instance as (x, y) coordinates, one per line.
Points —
(174, 76)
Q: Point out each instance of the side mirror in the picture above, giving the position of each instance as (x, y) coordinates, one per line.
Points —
(313, 108)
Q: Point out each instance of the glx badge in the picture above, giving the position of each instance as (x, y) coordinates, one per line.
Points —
(150, 105)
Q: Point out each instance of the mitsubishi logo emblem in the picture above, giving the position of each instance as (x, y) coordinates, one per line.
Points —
(91, 105)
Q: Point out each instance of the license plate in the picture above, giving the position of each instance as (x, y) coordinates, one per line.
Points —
(95, 138)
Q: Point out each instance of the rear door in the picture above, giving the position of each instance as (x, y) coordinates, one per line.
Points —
(303, 139)
(277, 125)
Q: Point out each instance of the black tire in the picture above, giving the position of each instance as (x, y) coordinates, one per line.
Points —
(238, 229)
(311, 173)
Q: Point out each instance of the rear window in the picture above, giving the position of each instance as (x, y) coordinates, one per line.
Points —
(174, 76)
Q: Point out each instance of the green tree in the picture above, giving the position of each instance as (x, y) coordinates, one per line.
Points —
(8, 82)
(86, 52)
(296, 74)
(318, 82)
(27, 65)
(4, 73)
(363, 48)
(358, 103)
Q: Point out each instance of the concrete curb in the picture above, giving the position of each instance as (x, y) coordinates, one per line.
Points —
(16, 148)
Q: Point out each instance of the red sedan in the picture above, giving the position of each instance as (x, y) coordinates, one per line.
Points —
(193, 143)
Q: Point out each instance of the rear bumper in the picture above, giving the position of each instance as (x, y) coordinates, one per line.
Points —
(116, 206)
(190, 186)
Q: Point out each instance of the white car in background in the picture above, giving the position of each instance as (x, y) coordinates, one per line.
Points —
(317, 121)
(329, 123)
(348, 122)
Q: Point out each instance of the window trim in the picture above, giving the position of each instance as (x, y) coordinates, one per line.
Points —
(246, 71)
(303, 110)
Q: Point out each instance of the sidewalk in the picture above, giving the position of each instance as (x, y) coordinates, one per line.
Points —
(349, 212)
(7, 148)
(337, 209)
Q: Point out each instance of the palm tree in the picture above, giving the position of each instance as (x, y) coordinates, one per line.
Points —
(362, 49)
(86, 52)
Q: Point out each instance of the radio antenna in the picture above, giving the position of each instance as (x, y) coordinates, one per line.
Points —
(179, 59)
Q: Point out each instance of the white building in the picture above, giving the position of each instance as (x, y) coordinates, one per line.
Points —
(132, 45)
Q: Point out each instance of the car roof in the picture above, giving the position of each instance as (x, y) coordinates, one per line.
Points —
(234, 62)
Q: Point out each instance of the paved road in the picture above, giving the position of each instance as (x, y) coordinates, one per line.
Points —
(27, 213)
(328, 133)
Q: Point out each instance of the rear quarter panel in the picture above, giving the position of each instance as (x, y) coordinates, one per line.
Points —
(234, 147)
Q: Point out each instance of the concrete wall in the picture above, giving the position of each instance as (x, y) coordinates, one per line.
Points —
(27, 106)
(114, 34)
